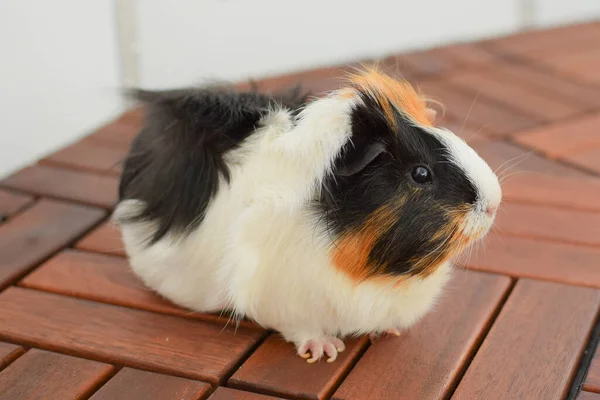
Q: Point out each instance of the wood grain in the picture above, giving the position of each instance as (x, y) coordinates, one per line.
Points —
(588, 396)
(223, 393)
(426, 361)
(564, 192)
(534, 347)
(532, 258)
(132, 384)
(477, 112)
(139, 339)
(43, 375)
(104, 239)
(88, 155)
(119, 133)
(549, 223)
(39, 232)
(510, 161)
(565, 137)
(12, 202)
(65, 184)
(9, 353)
(276, 368)
(108, 279)
(592, 381)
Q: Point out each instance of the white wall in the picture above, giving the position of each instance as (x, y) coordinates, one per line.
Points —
(553, 12)
(190, 40)
(59, 75)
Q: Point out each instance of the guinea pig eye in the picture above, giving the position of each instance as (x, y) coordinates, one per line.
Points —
(421, 175)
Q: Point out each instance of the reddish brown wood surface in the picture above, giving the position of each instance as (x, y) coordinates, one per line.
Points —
(12, 202)
(232, 394)
(588, 396)
(89, 155)
(141, 339)
(575, 193)
(533, 258)
(107, 279)
(65, 184)
(588, 159)
(566, 137)
(534, 345)
(37, 233)
(43, 375)
(133, 384)
(426, 361)
(541, 222)
(104, 239)
(9, 353)
(476, 111)
(511, 162)
(592, 381)
(275, 368)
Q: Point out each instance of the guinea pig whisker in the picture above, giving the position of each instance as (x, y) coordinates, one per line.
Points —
(506, 177)
(511, 163)
(469, 112)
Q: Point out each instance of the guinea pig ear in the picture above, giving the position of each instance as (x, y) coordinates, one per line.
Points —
(371, 152)
(430, 114)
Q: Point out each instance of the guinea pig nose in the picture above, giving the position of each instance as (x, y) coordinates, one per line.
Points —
(491, 211)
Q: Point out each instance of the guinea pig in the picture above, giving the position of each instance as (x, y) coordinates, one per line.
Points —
(321, 219)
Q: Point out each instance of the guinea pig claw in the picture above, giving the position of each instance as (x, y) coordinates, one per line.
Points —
(329, 346)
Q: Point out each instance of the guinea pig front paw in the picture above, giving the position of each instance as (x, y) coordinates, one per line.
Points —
(314, 349)
(393, 331)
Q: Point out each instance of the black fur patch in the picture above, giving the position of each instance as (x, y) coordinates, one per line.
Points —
(349, 201)
(175, 162)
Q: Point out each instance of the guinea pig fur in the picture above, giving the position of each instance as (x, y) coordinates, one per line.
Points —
(321, 219)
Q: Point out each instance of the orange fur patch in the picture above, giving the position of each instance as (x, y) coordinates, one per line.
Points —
(392, 94)
(352, 251)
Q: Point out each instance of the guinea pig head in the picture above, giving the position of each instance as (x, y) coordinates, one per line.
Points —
(404, 196)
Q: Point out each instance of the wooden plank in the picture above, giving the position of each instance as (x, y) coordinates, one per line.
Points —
(119, 133)
(566, 192)
(39, 232)
(427, 361)
(223, 393)
(509, 161)
(559, 40)
(9, 353)
(588, 159)
(564, 137)
(108, 279)
(104, 239)
(532, 258)
(477, 111)
(534, 347)
(89, 155)
(43, 375)
(582, 95)
(138, 339)
(65, 184)
(12, 202)
(132, 384)
(275, 368)
(423, 62)
(588, 396)
(592, 381)
(549, 223)
(515, 94)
